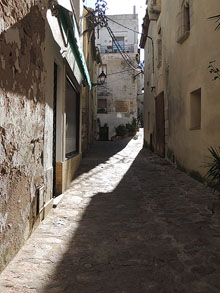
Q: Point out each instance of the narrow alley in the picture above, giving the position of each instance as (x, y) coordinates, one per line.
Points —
(130, 222)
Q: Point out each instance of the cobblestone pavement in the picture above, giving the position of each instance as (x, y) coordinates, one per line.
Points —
(130, 222)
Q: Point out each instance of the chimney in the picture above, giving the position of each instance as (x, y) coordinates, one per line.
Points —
(134, 9)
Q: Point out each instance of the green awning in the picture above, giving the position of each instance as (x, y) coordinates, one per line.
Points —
(69, 26)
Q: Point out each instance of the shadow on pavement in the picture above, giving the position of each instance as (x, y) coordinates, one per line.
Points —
(144, 236)
(109, 251)
(100, 152)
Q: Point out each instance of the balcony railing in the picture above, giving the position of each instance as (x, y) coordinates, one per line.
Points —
(113, 49)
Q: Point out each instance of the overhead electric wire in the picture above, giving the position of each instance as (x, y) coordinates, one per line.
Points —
(116, 80)
(123, 54)
(137, 32)
(140, 33)
(104, 23)
(119, 71)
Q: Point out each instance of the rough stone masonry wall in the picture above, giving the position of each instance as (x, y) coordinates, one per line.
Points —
(22, 35)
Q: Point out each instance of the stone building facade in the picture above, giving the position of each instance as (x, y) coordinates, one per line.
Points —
(117, 97)
(42, 69)
(181, 100)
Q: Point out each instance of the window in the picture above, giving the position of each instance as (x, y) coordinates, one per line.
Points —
(120, 42)
(195, 109)
(183, 23)
(102, 106)
(72, 119)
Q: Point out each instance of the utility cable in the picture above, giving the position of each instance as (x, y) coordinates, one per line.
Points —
(120, 50)
(116, 80)
(119, 72)
(104, 23)
(124, 55)
(150, 38)
(137, 32)
(102, 20)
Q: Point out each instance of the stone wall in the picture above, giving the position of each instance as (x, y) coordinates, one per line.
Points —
(22, 115)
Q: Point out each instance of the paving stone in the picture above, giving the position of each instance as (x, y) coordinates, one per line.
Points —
(130, 222)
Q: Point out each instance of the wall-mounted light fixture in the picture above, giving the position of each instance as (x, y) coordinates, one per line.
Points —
(102, 76)
(101, 79)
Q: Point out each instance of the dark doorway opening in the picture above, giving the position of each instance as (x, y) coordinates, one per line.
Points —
(103, 133)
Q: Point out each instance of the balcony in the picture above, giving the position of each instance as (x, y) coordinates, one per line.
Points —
(113, 49)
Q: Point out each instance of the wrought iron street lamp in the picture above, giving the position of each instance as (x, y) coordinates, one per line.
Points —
(101, 79)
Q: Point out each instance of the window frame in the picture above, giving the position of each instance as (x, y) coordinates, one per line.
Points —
(102, 110)
(184, 22)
